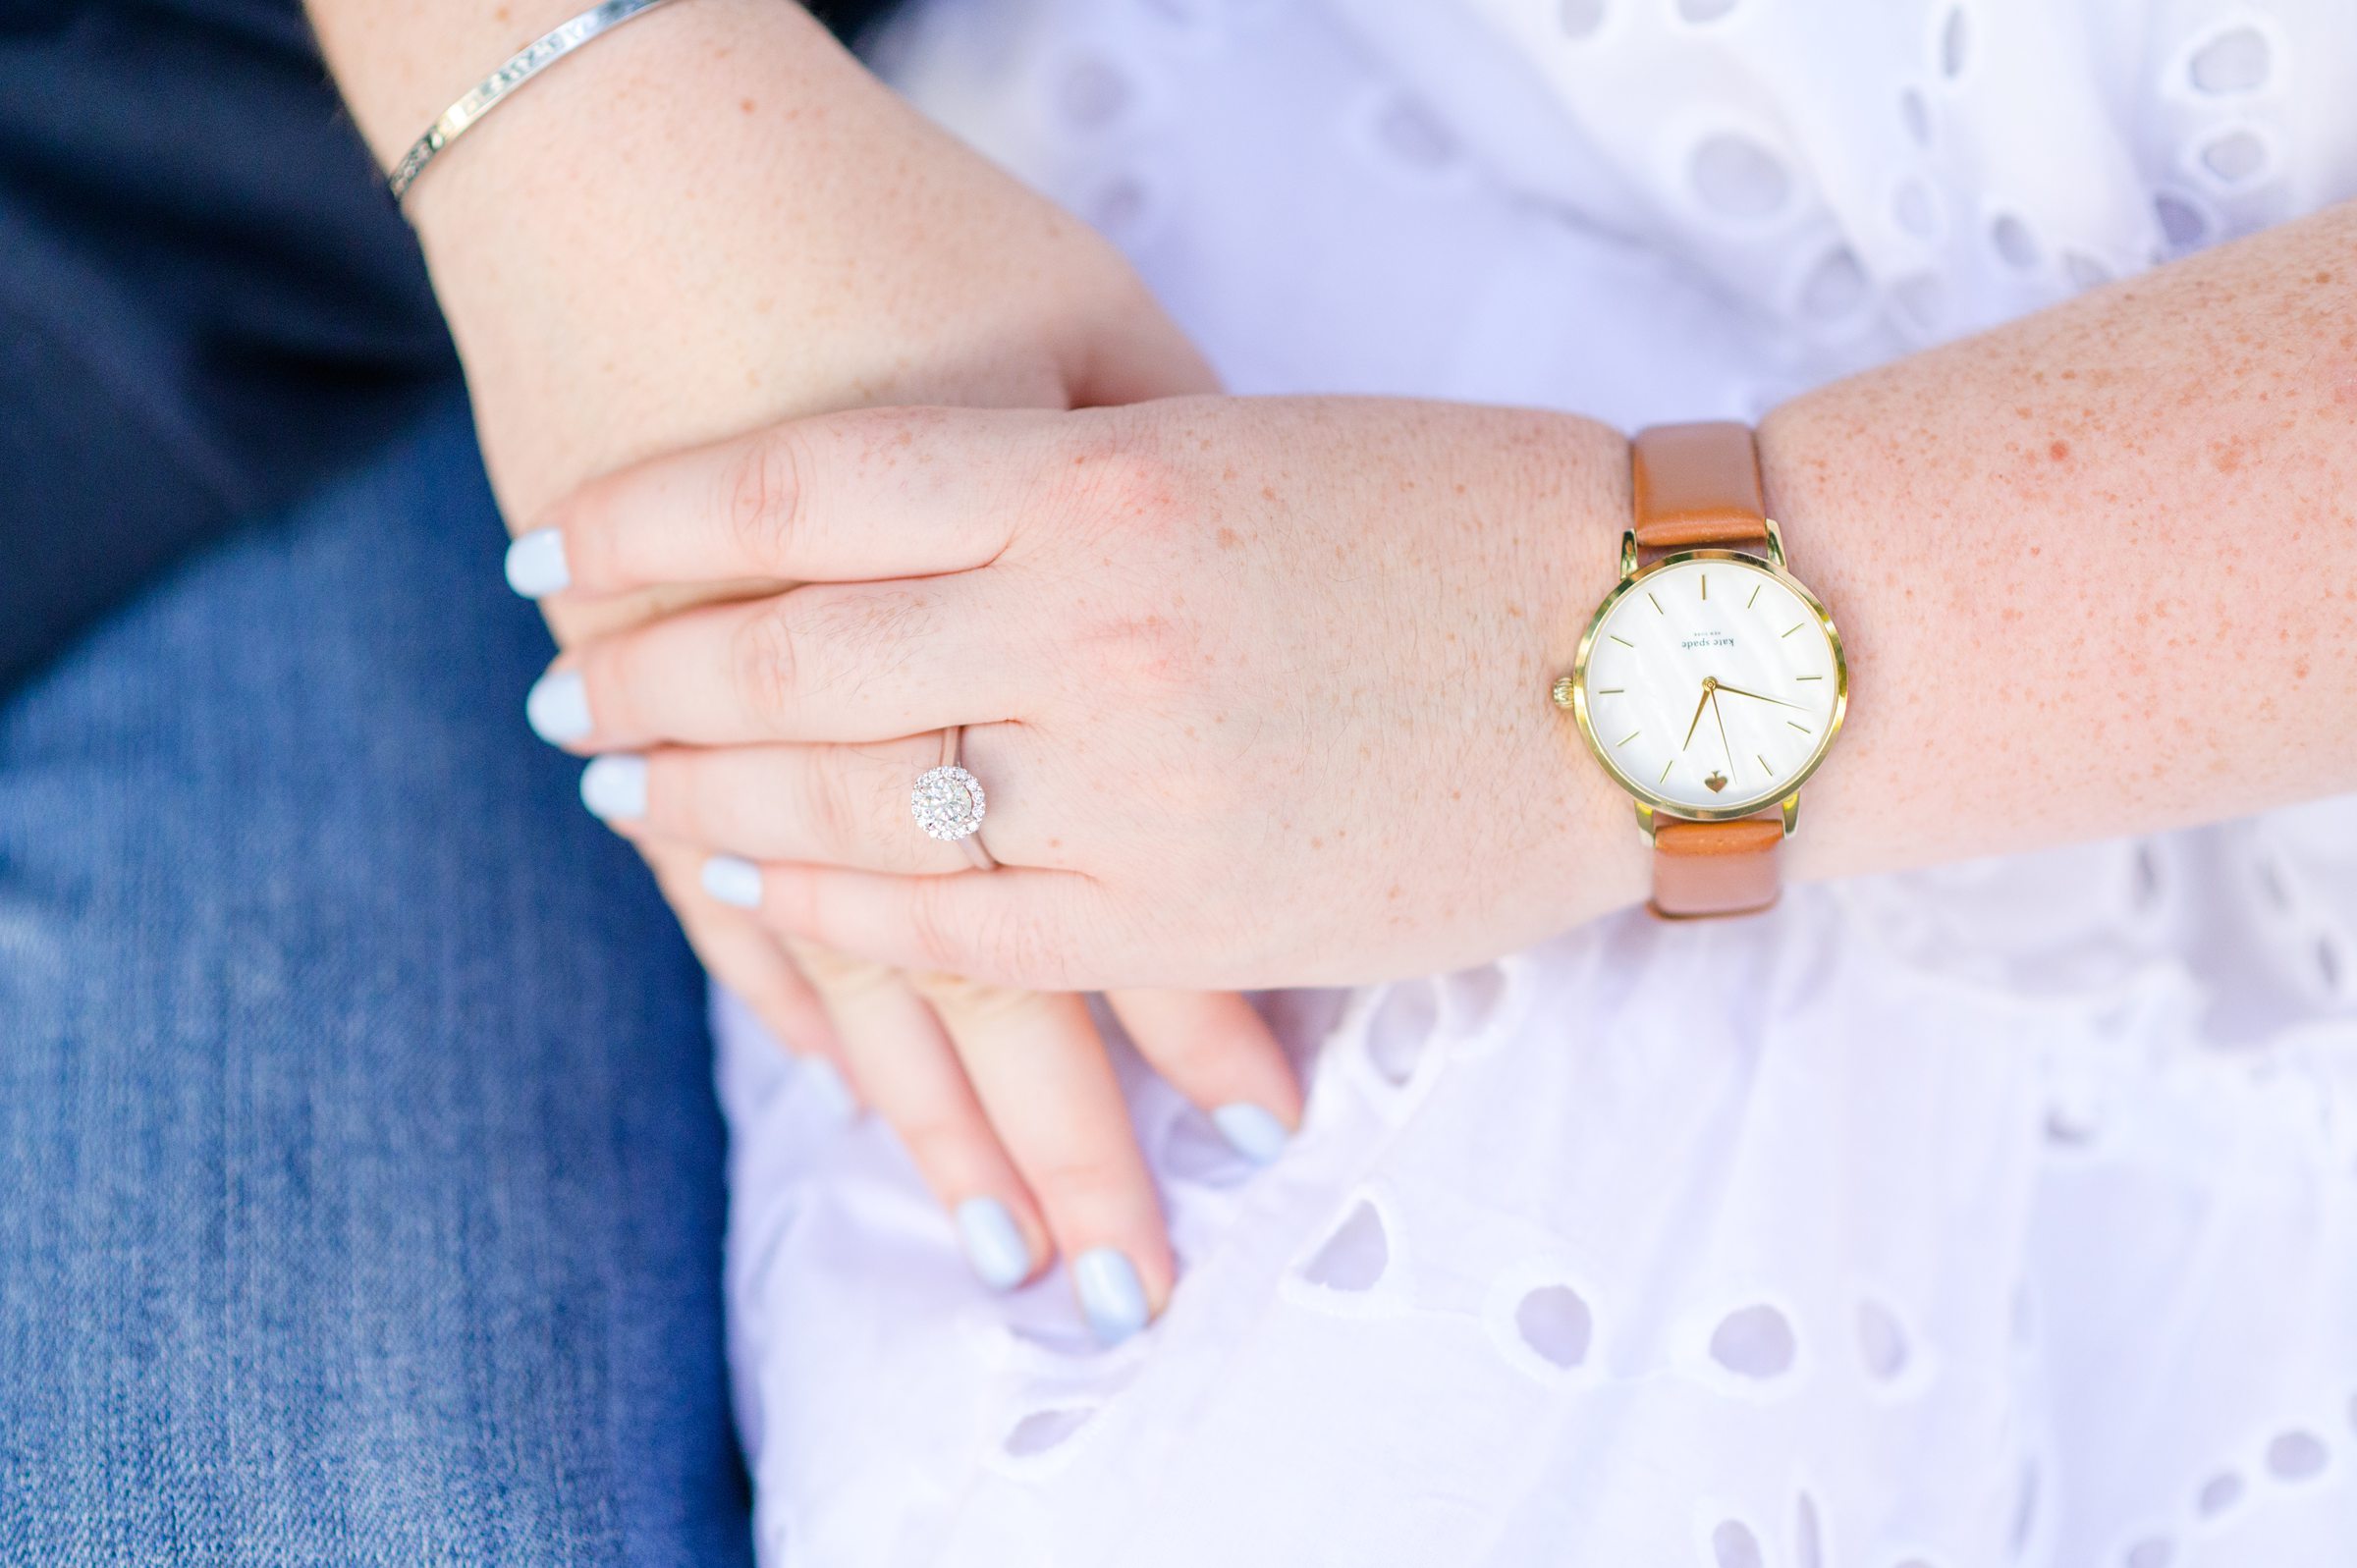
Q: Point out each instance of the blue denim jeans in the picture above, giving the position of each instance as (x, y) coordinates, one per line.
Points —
(359, 1171)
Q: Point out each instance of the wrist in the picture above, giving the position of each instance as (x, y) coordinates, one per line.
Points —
(1589, 857)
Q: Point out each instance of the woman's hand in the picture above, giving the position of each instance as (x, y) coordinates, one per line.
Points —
(720, 220)
(1259, 689)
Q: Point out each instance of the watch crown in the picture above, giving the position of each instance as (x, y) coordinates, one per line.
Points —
(1562, 692)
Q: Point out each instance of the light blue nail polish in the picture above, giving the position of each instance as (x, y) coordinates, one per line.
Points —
(1255, 1133)
(733, 880)
(614, 787)
(827, 1087)
(557, 708)
(1111, 1295)
(993, 1243)
(536, 564)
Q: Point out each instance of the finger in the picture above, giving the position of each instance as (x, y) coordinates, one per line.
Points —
(837, 805)
(827, 662)
(858, 495)
(752, 961)
(1015, 926)
(1214, 1048)
(906, 1067)
(1040, 1069)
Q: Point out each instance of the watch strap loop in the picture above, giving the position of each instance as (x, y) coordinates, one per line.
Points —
(1716, 868)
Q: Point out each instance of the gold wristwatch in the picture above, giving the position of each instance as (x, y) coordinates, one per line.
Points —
(1711, 683)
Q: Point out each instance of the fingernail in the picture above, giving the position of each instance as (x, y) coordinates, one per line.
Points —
(993, 1243)
(557, 708)
(536, 564)
(614, 786)
(1256, 1133)
(1111, 1296)
(828, 1088)
(733, 880)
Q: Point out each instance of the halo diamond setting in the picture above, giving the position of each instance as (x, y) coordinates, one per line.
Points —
(948, 802)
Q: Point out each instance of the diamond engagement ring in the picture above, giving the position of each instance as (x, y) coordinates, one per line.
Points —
(948, 803)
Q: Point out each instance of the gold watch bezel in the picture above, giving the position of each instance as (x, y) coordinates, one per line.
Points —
(1629, 582)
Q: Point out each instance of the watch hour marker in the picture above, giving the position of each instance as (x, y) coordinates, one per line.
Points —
(1812, 678)
(1665, 767)
(1705, 585)
(1609, 691)
(1803, 729)
(1631, 735)
(1623, 643)
(1657, 605)
(1787, 631)
(1755, 596)
(1763, 768)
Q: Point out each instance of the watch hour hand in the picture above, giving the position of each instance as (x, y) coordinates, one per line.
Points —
(1697, 724)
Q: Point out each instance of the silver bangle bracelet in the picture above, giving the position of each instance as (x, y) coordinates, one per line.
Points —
(493, 91)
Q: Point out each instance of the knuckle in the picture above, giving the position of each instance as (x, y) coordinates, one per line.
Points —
(688, 800)
(1196, 1057)
(764, 665)
(832, 813)
(867, 634)
(837, 974)
(764, 496)
(1084, 1184)
(962, 999)
(1012, 945)
(937, 1135)
(1119, 465)
(936, 934)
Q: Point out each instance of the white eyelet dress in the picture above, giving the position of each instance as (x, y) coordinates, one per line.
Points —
(1999, 1215)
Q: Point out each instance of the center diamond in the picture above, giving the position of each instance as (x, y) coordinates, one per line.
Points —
(947, 802)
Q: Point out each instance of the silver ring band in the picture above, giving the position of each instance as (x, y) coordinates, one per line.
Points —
(521, 67)
(948, 802)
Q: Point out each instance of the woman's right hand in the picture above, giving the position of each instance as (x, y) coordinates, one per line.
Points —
(714, 220)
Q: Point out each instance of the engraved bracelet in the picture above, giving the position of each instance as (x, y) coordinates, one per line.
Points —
(521, 67)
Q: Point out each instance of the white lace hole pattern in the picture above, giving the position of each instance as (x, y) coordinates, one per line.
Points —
(1754, 1342)
(2218, 1493)
(1354, 1256)
(2296, 1456)
(1044, 1429)
(1579, 18)
(1808, 1534)
(1736, 177)
(1554, 1322)
(1733, 1545)
(2235, 61)
(1882, 1342)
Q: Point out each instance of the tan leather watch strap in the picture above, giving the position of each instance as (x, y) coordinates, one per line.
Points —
(1697, 485)
(1716, 868)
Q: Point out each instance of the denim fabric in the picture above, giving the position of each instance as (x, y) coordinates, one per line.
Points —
(360, 1178)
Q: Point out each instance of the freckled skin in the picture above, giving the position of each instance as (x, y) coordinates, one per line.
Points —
(2192, 533)
(1987, 520)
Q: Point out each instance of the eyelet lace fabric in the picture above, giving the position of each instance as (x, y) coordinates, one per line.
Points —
(2000, 1213)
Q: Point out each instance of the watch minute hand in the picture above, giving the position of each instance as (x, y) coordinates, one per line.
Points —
(1738, 691)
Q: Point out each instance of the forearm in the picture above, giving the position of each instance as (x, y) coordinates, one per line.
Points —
(710, 218)
(2093, 569)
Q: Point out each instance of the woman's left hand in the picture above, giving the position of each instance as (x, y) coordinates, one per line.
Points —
(1259, 689)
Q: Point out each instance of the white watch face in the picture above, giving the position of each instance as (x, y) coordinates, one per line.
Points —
(1712, 685)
